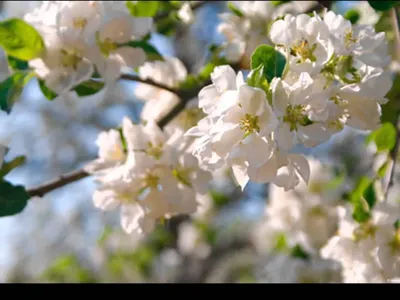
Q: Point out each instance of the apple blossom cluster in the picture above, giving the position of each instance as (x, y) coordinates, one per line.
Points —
(149, 174)
(247, 26)
(309, 234)
(84, 39)
(368, 252)
(297, 224)
(330, 80)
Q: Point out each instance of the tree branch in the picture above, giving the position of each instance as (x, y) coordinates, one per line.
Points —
(184, 95)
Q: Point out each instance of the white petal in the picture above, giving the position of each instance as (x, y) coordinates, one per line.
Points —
(141, 26)
(241, 176)
(226, 101)
(134, 135)
(84, 71)
(208, 97)
(230, 136)
(130, 57)
(265, 173)
(251, 100)
(284, 137)
(301, 165)
(224, 78)
(105, 200)
(131, 215)
(59, 81)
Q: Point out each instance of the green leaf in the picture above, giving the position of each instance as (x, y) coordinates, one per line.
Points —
(256, 79)
(209, 234)
(20, 40)
(11, 89)
(392, 107)
(167, 26)
(143, 8)
(382, 170)
(47, 92)
(219, 199)
(16, 64)
(89, 88)
(207, 70)
(123, 140)
(353, 15)
(397, 224)
(273, 61)
(13, 199)
(382, 5)
(9, 166)
(298, 252)
(281, 243)
(151, 52)
(384, 137)
(190, 82)
(363, 199)
(232, 7)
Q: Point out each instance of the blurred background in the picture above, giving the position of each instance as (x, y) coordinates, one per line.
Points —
(63, 238)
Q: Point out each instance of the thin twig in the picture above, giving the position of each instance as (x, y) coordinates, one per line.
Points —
(394, 153)
(147, 81)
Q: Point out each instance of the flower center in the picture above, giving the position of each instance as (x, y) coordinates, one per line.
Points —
(155, 151)
(395, 242)
(151, 181)
(183, 175)
(107, 46)
(190, 117)
(70, 59)
(79, 23)
(116, 153)
(249, 124)
(295, 115)
(364, 231)
(339, 101)
(336, 124)
(349, 40)
(304, 51)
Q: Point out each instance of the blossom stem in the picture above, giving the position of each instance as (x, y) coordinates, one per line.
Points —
(394, 153)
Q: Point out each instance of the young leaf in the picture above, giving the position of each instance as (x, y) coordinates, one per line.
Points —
(9, 166)
(363, 199)
(298, 252)
(17, 64)
(384, 137)
(89, 88)
(48, 93)
(352, 15)
(382, 5)
(256, 79)
(143, 8)
(151, 51)
(219, 199)
(167, 26)
(11, 89)
(232, 7)
(20, 40)
(273, 61)
(13, 199)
